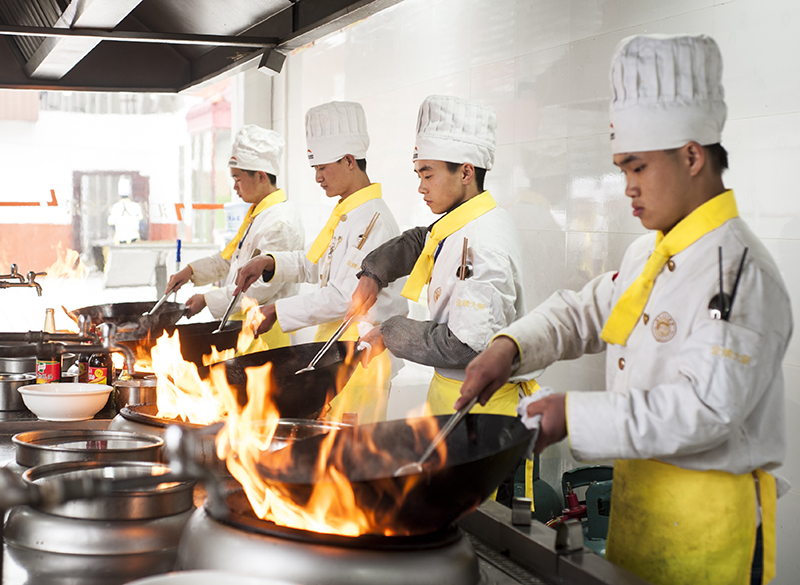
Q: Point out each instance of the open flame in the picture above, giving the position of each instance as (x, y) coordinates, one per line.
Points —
(334, 505)
(67, 265)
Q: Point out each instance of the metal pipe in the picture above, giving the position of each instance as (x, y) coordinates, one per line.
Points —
(141, 37)
(44, 337)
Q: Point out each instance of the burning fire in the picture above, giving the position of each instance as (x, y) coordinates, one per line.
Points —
(334, 505)
(67, 265)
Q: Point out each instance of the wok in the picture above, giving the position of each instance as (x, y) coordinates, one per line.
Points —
(297, 395)
(196, 340)
(131, 324)
(481, 452)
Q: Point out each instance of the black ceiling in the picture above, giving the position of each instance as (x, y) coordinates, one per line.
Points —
(157, 45)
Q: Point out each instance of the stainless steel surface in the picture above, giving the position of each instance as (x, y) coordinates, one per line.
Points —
(234, 300)
(135, 391)
(521, 511)
(33, 529)
(208, 544)
(334, 338)
(157, 306)
(18, 365)
(43, 447)
(165, 499)
(10, 399)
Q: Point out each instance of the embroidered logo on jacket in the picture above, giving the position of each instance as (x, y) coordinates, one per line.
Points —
(664, 327)
(437, 293)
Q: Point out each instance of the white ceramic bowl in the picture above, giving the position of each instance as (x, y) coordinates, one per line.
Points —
(64, 401)
(204, 577)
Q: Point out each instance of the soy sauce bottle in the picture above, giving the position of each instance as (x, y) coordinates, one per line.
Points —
(48, 369)
(83, 368)
(101, 371)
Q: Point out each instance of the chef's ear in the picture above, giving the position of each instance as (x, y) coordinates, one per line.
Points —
(695, 157)
(467, 173)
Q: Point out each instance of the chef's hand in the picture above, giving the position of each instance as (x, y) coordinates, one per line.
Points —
(195, 304)
(178, 279)
(375, 339)
(553, 428)
(488, 372)
(364, 296)
(270, 317)
(252, 271)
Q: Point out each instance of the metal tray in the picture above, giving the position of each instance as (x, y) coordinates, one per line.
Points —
(43, 447)
(165, 499)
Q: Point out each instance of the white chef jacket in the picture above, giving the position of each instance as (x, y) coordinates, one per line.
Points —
(491, 297)
(125, 216)
(278, 227)
(689, 390)
(340, 263)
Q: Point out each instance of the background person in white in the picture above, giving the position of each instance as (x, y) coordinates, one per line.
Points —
(254, 164)
(694, 406)
(125, 214)
(337, 141)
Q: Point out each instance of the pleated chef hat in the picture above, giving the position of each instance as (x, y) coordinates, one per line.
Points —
(334, 130)
(455, 130)
(257, 149)
(666, 90)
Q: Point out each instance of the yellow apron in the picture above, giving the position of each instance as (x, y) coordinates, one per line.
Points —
(367, 391)
(443, 393)
(676, 526)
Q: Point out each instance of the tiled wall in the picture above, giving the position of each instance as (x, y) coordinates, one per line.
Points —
(543, 64)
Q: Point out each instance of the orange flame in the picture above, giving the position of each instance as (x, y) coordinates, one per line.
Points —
(67, 265)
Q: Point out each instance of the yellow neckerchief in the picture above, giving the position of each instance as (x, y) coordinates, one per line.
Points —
(449, 224)
(706, 218)
(319, 246)
(272, 199)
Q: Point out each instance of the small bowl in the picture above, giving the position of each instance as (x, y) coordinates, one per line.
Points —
(65, 401)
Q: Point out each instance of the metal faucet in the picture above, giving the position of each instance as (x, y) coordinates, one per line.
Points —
(14, 274)
(30, 282)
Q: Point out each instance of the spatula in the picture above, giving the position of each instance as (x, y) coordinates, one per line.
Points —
(334, 338)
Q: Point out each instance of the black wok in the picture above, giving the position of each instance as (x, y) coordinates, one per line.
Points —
(196, 340)
(129, 319)
(481, 451)
(297, 395)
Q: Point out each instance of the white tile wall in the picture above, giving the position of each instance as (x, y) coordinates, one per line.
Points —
(544, 65)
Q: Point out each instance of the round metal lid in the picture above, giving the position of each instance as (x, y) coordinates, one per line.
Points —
(43, 447)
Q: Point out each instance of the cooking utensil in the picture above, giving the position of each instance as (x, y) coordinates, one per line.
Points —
(334, 338)
(135, 391)
(44, 447)
(365, 235)
(297, 396)
(455, 418)
(157, 306)
(736, 285)
(234, 300)
(10, 398)
(462, 273)
(480, 455)
(130, 323)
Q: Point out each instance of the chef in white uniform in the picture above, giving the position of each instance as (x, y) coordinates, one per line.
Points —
(454, 148)
(272, 223)
(694, 407)
(337, 140)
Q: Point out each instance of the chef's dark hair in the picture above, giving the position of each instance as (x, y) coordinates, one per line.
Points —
(718, 156)
(361, 163)
(273, 179)
(480, 174)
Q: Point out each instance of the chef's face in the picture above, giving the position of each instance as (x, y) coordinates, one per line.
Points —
(335, 177)
(658, 185)
(441, 189)
(247, 184)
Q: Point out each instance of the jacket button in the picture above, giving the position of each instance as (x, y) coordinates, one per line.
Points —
(645, 318)
(671, 265)
(621, 363)
(343, 217)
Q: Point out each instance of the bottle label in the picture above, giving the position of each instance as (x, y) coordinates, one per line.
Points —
(98, 375)
(83, 374)
(47, 371)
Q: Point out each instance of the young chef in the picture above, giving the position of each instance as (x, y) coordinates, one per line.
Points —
(270, 224)
(337, 140)
(454, 148)
(693, 411)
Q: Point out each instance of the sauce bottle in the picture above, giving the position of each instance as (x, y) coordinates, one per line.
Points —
(97, 369)
(48, 369)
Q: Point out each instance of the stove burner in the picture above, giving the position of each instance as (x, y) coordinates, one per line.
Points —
(240, 515)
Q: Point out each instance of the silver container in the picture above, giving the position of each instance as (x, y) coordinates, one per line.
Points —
(165, 499)
(10, 399)
(44, 447)
(18, 365)
(135, 391)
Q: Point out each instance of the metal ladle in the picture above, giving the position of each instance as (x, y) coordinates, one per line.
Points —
(416, 466)
(334, 338)
(234, 300)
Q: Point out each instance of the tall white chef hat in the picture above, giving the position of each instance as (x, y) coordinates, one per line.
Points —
(334, 130)
(257, 149)
(456, 130)
(666, 90)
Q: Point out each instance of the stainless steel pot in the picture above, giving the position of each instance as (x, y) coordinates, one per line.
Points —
(18, 365)
(166, 499)
(135, 391)
(10, 399)
(44, 447)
